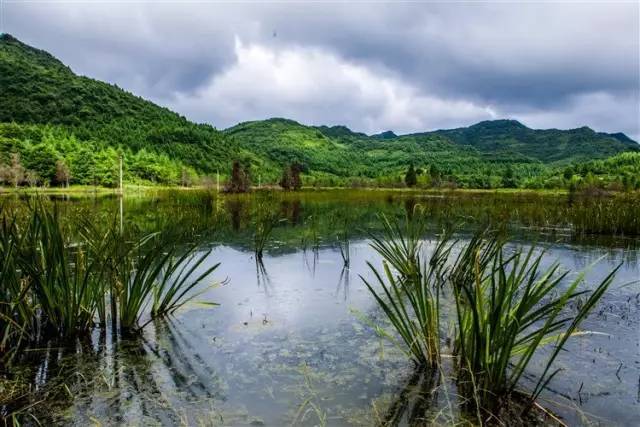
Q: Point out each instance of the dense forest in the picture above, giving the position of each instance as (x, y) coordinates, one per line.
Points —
(58, 128)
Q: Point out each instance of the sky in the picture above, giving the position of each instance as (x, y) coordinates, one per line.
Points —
(372, 66)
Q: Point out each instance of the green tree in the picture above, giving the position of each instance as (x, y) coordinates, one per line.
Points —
(296, 182)
(240, 182)
(508, 179)
(63, 174)
(434, 173)
(410, 178)
(285, 180)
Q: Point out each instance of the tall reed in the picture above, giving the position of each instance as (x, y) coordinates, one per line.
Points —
(344, 244)
(507, 309)
(56, 280)
(409, 294)
(265, 222)
(16, 312)
(66, 280)
(161, 278)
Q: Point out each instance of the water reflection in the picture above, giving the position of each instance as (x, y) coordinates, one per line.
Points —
(416, 400)
(290, 317)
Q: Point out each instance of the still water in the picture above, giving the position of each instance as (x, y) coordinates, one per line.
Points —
(292, 340)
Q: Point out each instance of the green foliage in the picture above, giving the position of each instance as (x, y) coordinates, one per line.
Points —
(506, 306)
(48, 114)
(410, 299)
(56, 279)
(550, 145)
(507, 309)
(410, 178)
(38, 89)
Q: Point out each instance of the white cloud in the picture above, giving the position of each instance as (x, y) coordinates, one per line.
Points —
(598, 110)
(316, 86)
(408, 66)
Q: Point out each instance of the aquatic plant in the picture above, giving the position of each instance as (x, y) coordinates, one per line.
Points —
(151, 271)
(56, 280)
(410, 299)
(65, 279)
(344, 246)
(15, 310)
(265, 222)
(507, 309)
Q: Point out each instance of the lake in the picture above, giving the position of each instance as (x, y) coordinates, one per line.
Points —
(292, 340)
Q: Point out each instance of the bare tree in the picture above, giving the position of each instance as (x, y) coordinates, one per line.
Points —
(4, 174)
(32, 178)
(16, 170)
(63, 174)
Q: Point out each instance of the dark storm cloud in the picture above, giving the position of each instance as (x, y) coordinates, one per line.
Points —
(371, 66)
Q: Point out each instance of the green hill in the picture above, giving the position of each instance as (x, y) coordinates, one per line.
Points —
(37, 89)
(51, 116)
(549, 145)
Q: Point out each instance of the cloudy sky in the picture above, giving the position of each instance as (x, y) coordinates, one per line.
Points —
(372, 66)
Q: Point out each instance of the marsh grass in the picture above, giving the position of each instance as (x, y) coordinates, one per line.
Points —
(161, 278)
(56, 280)
(506, 309)
(66, 280)
(265, 221)
(408, 289)
(16, 312)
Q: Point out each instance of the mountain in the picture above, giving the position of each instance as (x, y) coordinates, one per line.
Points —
(548, 145)
(38, 89)
(388, 134)
(49, 114)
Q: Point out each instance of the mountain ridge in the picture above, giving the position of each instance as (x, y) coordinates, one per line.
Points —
(44, 100)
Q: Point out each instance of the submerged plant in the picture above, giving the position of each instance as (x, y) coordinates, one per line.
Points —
(506, 310)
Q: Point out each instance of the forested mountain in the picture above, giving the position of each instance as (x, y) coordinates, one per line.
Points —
(548, 145)
(57, 122)
(76, 114)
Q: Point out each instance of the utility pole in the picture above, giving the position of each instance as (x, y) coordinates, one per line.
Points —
(121, 192)
(217, 180)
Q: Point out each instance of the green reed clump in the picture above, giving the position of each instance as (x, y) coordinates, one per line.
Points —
(56, 280)
(265, 222)
(507, 309)
(66, 280)
(158, 277)
(16, 312)
(410, 295)
(617, 214)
